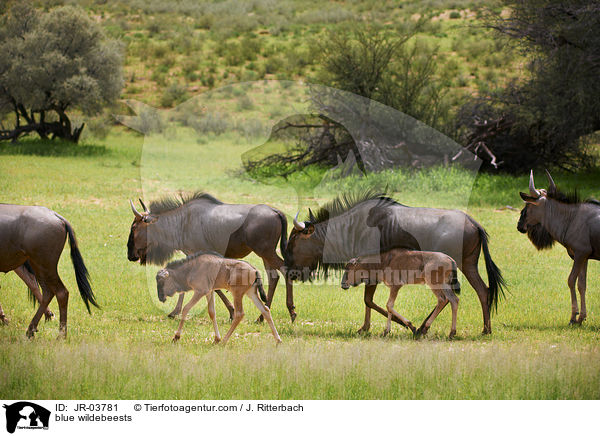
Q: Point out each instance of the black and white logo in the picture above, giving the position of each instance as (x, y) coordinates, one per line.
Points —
(26, 415)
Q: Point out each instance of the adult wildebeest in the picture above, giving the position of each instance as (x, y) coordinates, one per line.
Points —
(200, 222)
(372, 223)
(37, 235)
(399, 267)
(550, 216)
(205, 272)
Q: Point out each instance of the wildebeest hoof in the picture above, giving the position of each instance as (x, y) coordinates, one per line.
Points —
(452, 335)
(30, 333)
(173, 314)
(411, 328)
(293, 316)
(363, 330)
(176, 338)
(216, 341)
(486, 331)
(48, 316)
(385, 332)
(259, 320)
(419, 333)
(4, 320)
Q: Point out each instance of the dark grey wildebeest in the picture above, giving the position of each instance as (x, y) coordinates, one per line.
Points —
(36, 235)
(352, 226)
(552, 216)
(200, 222)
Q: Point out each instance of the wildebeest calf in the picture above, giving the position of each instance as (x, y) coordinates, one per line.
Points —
(204, 273)
(400, 267)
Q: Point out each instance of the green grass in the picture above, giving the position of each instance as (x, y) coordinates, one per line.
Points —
(124, 350)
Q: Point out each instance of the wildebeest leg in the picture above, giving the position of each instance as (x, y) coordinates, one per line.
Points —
(47, 295)
(221, 295)
(574, 306)
(195, 298)
(368, 299)
(442, 301)
(391, 312)
(178, 307)
(273, 277)
(453, 299)
(62, 297)
(472, 274)
(370, 304)
(581, 286)
(265, 312)
(226, 303)
(3, 318)
(289, 288)
(575, 271)
(238, 313)
(213, 316)
(32, 284)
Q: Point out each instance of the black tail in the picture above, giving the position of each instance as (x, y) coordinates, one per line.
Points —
(455, 284)
(496, 281)
(259, 287)
(283, 240)
(30, 292)
(81, 272)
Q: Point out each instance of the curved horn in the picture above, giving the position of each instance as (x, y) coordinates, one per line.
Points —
(134, 210)
(144, 206)
(532, 190)
(551, 185)
(298, 226)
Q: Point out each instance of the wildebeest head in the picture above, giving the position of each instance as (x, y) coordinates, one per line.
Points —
(137, 244)
(303, 250)
(166, 285)
(533, 214)
(356, 271)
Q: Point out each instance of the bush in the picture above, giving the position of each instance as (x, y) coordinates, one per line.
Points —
(174, 94)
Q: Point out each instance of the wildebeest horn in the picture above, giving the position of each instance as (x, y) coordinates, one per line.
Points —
(144, 206)
(134, 210)
(298, 226)
(551, 185)
(532, 189)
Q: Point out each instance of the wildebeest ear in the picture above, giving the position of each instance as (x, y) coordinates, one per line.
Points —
(149, 219)
(308, 230)
(311, 217)
(528, 199)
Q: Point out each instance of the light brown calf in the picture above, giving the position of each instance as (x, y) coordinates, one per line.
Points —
(400, 267)
(204, 274)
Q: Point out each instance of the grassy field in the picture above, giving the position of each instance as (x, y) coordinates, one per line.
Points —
(124, 350)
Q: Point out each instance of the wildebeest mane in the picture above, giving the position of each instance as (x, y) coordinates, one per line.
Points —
(347, 201)
(570, 197)
(168, 204)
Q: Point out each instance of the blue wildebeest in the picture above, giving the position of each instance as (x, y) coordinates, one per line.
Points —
(552, 216)
(36, 235)
(372, 223)
(200, 222)
(399, 267)
(204, 272)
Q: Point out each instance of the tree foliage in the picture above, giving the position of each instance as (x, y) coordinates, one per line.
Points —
(396, 69)
(543, 119)
(54, 62)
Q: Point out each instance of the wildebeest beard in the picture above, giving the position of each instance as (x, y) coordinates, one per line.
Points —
(540, 237)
